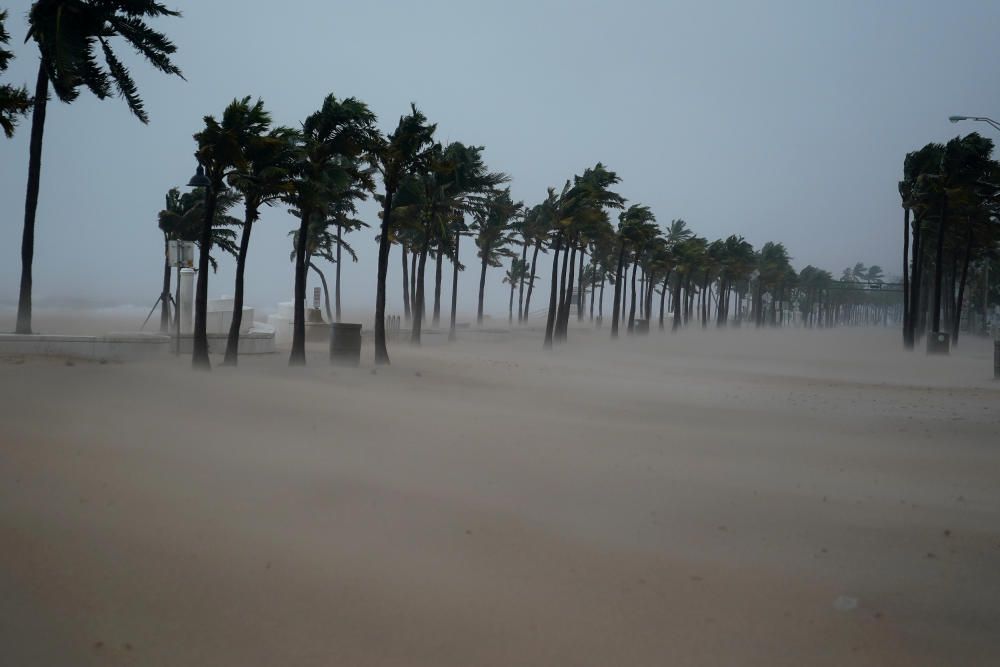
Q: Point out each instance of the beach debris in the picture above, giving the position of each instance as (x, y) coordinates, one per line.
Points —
(845, 603)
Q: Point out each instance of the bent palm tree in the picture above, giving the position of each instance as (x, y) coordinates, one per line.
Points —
(264, 180)
(493, 235)
(333, 138)
(222, 147)
(69, 34)
(395, 156)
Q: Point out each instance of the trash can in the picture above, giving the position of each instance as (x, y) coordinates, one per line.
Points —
(345, 344)
(938, 342)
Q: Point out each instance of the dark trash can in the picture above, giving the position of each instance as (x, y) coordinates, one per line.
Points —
(938, 342)
(345, 344)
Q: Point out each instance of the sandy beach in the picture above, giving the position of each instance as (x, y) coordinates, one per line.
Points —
(709, 498)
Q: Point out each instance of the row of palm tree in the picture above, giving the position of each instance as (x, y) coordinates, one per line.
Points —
(431, 195)
(951, 226)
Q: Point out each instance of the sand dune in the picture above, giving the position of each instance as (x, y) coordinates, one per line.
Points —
(712, 498)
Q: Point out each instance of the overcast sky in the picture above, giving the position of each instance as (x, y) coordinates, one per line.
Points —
(784, 121)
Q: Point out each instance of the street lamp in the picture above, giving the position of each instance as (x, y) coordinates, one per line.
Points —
(982, 119)
(199, 180)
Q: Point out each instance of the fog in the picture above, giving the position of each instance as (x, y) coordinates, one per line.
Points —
(741, 497)
(718, 495)
(781, 121)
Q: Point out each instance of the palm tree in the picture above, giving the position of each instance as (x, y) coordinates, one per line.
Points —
(493, 235)
(515, 276)
(14, 101)
(181, 219)
(964, 163)
(264, 180)
(221, 154)
(579, 213)
(333, 140)
(920, 169)
(633, 224)
(395, 156)
(69, 34)
(541, 220)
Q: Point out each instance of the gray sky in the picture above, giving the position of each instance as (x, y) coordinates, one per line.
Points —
(783, 121)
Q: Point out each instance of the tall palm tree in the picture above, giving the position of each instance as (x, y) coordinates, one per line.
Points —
(920, 177)
(69, 34)
(579, 213)
(264, 180)
(964, 163)
(493, 236)
(221, 154)
(14, 100)
(541, 219)
(634, 224)
(395, 156)
(328, 167)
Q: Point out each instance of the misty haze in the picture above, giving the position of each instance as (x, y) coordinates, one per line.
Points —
(525, 333)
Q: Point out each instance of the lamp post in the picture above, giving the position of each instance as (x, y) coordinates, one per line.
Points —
(199, 180)
(980, 119)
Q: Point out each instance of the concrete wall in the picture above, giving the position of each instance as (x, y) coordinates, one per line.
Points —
(113, 347)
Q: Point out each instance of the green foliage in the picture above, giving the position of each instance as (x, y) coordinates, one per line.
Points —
(14, 101)
(183, 214)
(493, 228)
(73, 35)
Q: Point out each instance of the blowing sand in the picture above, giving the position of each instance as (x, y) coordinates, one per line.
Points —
(737, 498)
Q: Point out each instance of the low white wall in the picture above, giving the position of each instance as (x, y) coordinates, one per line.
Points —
(113, 347)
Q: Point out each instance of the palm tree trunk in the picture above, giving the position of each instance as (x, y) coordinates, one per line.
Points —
(531, 283)
(579, 290)
(199, 343)
(562, 328)
(677, 303)
(939, 269)
(961, 284)
(600, 301)
(520, 287)
(336, 278)
(647, 308)
(561, 297)
(631, 310)
(414, 256)
(706, 299)
(406, 285)
(418, 304)
(914, 300)
(663, 296)
(297, 357)
(550, 320)
(618, 289)
(593, 293)
(31, 199)
(437, 284)
(381, 352)
(165, 292)
(326, 291)
(907, 339)
(482, 288)
(454, 288)
(233, 341)
(510, 303)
